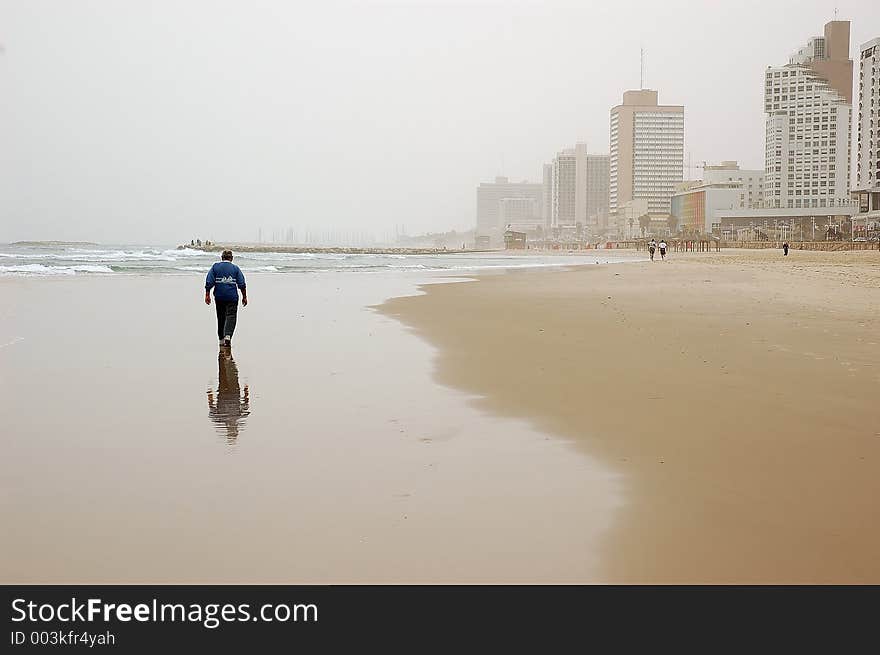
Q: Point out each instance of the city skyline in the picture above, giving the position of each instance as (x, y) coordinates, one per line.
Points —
(266, 120)
(808, 138)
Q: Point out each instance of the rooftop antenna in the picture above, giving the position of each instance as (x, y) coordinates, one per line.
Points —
(641, 68)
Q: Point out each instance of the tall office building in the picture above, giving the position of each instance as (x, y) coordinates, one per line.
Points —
(808, 103)
(867, 189)
(647, 151)
(579, 188)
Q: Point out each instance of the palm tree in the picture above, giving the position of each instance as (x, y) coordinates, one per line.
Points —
(644, 223)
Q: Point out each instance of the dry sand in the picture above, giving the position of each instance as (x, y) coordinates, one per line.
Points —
(736, 392)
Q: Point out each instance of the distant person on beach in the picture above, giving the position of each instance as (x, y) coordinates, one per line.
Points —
(652, 246)
(226, 279)
(785, 248)
(662, 249)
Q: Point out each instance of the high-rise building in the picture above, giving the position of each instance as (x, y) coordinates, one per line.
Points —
(598, 167)
(647, 151)
(751, 194)
(808, 104)
(547, 205)
(564, 210)
(579, 188)
(867, 189)
(490, 226)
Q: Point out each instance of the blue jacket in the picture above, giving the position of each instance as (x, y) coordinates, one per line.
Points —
(226, 278)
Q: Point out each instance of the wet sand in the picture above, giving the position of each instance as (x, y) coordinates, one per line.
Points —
(322, 452)
(735, 393)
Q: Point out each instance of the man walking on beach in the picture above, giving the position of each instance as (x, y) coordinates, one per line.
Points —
(662, 249)
(226, 279)
(652, 246)
(785, 248)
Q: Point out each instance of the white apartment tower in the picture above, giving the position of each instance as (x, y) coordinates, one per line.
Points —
(808, 103)
(647, 151)
(868, 137)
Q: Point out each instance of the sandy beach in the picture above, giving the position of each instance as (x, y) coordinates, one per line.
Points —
(324, 452)
(736, 393)
(705, 419)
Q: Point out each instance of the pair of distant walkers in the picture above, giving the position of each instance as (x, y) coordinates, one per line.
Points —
(226, 279)
(653, 246)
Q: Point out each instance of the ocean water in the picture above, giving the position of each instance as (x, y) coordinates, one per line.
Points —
(80, 259)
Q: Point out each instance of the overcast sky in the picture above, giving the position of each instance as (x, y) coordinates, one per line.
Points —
(157, 122)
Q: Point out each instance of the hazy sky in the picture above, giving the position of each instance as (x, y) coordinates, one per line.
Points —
(156, 122)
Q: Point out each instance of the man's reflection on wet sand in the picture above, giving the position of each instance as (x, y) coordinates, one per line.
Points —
(230, 407)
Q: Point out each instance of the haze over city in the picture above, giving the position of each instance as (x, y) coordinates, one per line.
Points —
(159, 122)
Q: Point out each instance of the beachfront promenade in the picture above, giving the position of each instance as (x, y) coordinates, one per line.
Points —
(675, 245)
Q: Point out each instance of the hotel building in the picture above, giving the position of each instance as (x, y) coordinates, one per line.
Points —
(867, 189)
(647, 151)
(808, 106)
(564, 209)
(491, 212)
(578, 188)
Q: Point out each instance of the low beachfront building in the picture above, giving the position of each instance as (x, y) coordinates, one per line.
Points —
(696, 207)
(807, 224)
(752, 180)
(514, 240)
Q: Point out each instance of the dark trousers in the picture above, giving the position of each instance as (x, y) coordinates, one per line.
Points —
(227, 313)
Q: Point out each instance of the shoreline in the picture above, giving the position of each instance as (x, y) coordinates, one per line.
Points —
(733, 391)
(330, 250)
(324, 454)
